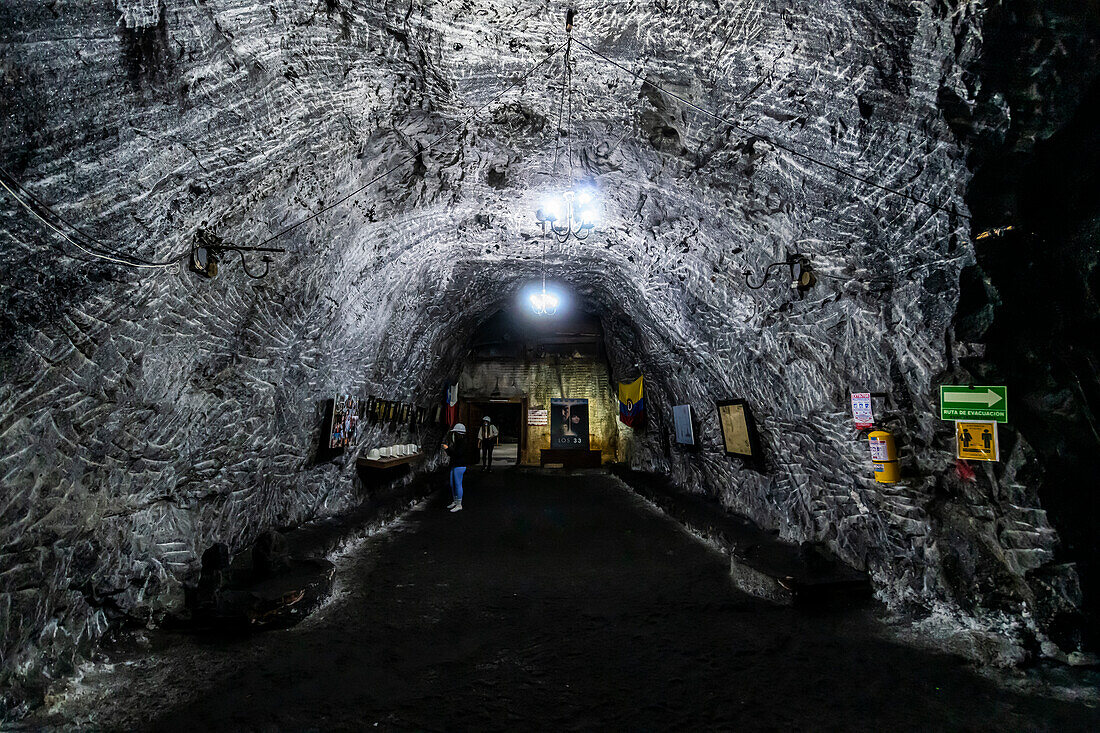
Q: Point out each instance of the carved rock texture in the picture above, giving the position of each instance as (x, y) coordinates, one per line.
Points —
(146, 415)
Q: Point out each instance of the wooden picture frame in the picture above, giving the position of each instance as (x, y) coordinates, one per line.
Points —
(739, 436)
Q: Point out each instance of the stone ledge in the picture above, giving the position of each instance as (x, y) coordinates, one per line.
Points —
(761, 564)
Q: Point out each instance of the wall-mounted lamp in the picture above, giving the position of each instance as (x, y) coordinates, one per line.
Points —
(801, 271)
(207, 251)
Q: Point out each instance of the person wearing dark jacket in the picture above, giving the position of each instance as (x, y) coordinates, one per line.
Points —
(455, 446)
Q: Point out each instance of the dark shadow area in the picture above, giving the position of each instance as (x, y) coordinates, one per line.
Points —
(1033, 299)
(1034, 304)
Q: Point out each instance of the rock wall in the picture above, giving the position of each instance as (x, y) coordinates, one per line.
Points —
(144, 415)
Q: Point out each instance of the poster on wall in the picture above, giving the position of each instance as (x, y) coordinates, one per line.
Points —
(569, 424)
(685, 431)
(861, 410)
(738, 430)
(345, 421)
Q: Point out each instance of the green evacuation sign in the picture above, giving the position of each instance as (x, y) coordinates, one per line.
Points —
(963, 402)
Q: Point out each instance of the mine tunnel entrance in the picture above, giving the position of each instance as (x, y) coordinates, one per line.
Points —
(545, 383)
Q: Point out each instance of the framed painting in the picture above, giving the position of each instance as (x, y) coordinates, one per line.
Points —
(738, 429)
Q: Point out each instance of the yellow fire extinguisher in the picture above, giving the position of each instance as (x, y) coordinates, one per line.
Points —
(884, 455)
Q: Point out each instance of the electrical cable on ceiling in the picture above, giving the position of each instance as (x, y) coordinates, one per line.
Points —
(86, 244)
(465, 121)
(772, 141)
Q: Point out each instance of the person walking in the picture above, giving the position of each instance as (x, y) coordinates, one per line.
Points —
(455, 446)
(486, 441)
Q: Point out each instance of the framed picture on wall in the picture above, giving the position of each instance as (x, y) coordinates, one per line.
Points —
(738, 429)
(345, 421)
(682, 420)
(569, 424)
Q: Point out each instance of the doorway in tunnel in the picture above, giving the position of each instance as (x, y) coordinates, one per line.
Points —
(521, 367)
(507, 415)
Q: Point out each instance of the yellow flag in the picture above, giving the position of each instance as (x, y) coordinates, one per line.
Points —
(631, 403)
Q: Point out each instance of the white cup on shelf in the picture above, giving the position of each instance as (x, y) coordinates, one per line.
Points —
(374, 454)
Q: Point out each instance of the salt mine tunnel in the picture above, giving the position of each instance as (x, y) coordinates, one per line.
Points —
(735, 295)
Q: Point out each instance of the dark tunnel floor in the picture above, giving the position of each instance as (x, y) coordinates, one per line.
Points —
(552, 603)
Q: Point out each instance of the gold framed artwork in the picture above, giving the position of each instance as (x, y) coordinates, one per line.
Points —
(738, 429)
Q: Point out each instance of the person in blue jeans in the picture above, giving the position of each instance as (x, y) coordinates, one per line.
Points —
(456, 451)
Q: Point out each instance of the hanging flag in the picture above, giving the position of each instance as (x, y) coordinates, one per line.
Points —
(450, 402)
(632, 404)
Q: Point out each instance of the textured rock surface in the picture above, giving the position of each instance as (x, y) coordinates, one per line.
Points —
(144, 417)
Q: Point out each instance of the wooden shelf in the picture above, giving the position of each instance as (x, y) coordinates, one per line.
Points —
(386, 462)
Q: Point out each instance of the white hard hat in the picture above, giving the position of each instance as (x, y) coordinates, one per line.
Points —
(459, 428)
(486, 418)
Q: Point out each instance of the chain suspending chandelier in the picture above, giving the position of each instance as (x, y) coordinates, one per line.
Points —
(573, 214)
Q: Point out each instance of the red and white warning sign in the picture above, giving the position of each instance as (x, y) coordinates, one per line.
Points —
(861, 410)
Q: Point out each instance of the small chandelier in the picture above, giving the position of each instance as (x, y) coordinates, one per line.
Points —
(573, 214)
(544, 303)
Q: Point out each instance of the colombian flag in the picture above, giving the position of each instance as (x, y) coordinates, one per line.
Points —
(632, 404)
(450, 402)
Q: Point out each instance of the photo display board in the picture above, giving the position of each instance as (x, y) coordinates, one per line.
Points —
(345, 421)
(569, 424)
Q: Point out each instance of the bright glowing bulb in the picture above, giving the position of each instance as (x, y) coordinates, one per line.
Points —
(584, 197)
(552, 210)
(590, 217)
(544, 303)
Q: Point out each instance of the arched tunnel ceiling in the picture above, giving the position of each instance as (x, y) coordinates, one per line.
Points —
(168, 412)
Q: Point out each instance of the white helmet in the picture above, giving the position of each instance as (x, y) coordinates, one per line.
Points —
(486, 419)
(459, 428)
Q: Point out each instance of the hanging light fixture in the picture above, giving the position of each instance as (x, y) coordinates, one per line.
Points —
(573, 214)
(543, 302)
